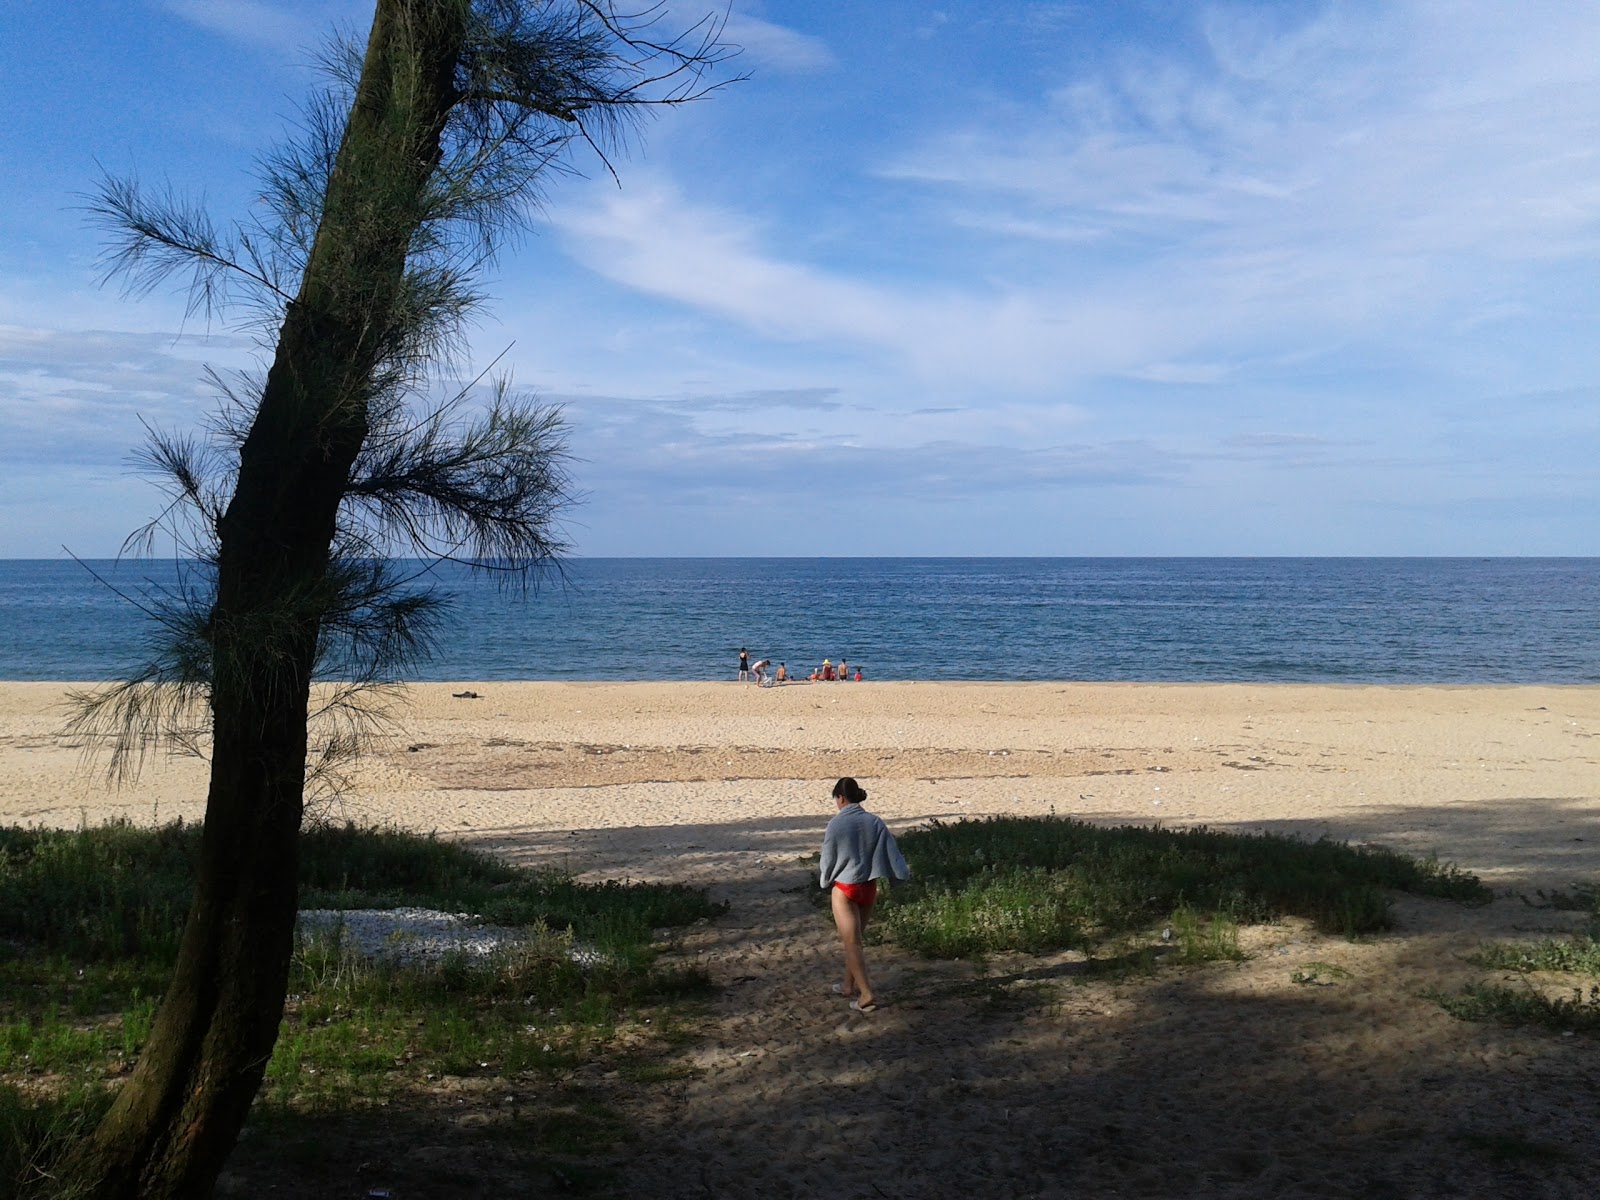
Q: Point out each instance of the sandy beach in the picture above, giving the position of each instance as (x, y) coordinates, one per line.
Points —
(1014, 1077)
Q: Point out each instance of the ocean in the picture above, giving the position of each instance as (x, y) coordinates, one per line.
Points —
(1316, 620)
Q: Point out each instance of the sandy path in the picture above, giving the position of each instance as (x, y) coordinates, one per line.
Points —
(1021, 1077)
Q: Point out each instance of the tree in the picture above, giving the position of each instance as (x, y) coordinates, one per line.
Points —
(377, 222)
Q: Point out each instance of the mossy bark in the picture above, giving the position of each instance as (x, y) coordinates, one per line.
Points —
(179, 1115)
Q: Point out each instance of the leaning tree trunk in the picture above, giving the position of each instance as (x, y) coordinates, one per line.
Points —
(177, 1118)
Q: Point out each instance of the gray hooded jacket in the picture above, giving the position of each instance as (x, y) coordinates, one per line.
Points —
(857, 847)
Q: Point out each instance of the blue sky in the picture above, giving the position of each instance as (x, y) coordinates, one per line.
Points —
(968, 278)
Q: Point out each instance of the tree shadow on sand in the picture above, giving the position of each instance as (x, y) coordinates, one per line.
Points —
(1030, 1076)
(1522, 842)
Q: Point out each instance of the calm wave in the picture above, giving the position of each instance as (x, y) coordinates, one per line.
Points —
(1384, 620)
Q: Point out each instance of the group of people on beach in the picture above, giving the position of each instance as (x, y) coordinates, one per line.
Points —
(828, 672)
(761, 671)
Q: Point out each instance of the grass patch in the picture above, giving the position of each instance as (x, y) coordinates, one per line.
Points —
(1525, 1005)
(1579, 955)
(1199, 938)
(107, 894)
(89, 927)
(656, 1070)
(36, 1128)
(1319, 974)
(1046, 883)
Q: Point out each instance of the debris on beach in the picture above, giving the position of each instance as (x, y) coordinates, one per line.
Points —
(411, 936)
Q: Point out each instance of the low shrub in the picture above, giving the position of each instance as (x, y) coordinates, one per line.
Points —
(90, 921)
(1041, 883)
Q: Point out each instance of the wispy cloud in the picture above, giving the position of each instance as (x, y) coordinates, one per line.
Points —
(813, 399)
(640, 446)
(79, 396)
(1332, 172)
(652, 239)
(1249, 278)
(776, 47)
(288, 27)
(1164, 216)
(284, 26)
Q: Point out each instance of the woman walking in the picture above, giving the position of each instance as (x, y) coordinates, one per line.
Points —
(857, 851)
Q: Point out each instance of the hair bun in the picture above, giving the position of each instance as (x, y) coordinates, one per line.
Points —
(850, 790)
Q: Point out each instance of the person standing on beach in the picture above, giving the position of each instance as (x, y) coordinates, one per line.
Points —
(744, 665)
(857, 851)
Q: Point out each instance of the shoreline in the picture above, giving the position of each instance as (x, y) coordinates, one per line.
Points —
(476, 684)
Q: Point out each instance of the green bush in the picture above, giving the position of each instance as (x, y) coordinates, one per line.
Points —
(1501, 1005)
(1578, 955)
(90, 921)
(35, 1130)
(1039, 883)
(110, 892)
(119, 892)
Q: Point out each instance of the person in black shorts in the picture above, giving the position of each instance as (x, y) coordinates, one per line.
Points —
(744, 664)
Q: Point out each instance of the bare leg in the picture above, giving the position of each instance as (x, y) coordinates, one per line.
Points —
(851, 920)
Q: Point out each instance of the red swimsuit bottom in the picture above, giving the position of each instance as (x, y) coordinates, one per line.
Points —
(864, 894)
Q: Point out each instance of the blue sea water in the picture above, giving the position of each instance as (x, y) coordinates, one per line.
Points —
(1352, 620)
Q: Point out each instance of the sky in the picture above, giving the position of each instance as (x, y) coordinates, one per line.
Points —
(1144, 277)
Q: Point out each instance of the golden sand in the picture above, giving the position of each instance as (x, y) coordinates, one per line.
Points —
(1018, 1077)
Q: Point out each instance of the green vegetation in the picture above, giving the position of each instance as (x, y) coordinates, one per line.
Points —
(89, 924)
(1048, 883)
(1526, 1005)
(1197, 938)
(1319, 974)
(1579, 955)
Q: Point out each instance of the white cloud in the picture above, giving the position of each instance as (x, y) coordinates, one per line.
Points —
(1332, 175)
(252, 22)
(763, 44)
(642, 447)
(78, 395)
(1167, 218)
(1181, 373)
(650, 238)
